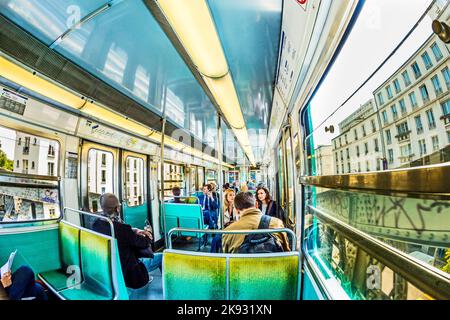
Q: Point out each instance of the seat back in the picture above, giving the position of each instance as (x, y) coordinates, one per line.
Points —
(96, 263)
(193, 277)
(264, 277)
(197, 275)
(69, 239)
(188, 216)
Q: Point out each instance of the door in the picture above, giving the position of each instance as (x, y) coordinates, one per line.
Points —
(154, 200)
(134, 189)
(99, 175)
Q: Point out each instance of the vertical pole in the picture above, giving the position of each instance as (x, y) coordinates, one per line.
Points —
(163, 132)
(220, 176)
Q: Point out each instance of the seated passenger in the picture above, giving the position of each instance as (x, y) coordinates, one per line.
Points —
(21, 284)
(176, 191)
(133, 244)
(230, 215)
(249, 219)
(209, 206)
(267, 205)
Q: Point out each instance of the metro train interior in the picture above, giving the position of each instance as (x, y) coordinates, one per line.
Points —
(339, 109)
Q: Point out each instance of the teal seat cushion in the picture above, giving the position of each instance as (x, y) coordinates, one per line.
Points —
(58, 279)
(84, 292)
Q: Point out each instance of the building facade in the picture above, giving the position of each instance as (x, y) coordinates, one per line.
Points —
(406, 124)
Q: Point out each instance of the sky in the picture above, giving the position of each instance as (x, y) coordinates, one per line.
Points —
(379, 29)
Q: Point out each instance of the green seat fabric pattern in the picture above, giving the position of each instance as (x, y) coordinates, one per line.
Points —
(189, 277)
(96, 266)
(59, 280)
(38, 249)
(264, 278)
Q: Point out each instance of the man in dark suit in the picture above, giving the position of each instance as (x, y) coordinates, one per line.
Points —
(133, 244)
(209, 206)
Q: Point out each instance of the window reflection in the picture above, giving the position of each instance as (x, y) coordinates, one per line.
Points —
(100, 176)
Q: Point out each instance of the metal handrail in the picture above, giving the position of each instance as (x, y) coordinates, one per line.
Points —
(389, 181)
(435, 282)
(256, 231)
(113, 245)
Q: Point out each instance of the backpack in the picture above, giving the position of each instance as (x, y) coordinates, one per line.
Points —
(261, 243)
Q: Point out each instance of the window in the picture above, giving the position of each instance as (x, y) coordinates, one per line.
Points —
(32, 165)
(364, 130)
(419, 126)
(435, 143)
(51, 169)
(391, 156)
(389, 92)
(424, 92)
(342, 166)
(405, 150)
(431, 121)
(51, 151)
(422, 147)
(374, 127)
(427, 60)
(366, 148)
(403, 106)
(385, 117)
(342, 155)
(367, 166)
(357, 151)
(416, 70)
(356, 134)
(18, 164)
(446, 75)
(397, 86)
(337, 169)
(445, 108)
(406, 78)
(388, 137)
(346, 140)
(100, 176)
(348, 153)
(380, 98)
(402, 128)
(335, 146)
(349, 167)
(436, 85)
(413, 99)
(394, 112)
(436, 51)
(20, 141)
(25, 166)
(376, 145)
(336, 156)
(340, 142)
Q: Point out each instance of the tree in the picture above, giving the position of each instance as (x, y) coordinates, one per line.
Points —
(5, 163)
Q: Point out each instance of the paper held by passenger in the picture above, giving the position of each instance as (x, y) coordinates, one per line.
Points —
(7, 266)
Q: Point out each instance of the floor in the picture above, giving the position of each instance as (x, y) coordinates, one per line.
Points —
(153, 290)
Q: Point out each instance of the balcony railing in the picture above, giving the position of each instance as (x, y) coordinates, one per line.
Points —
(446, 119)
(403, 136)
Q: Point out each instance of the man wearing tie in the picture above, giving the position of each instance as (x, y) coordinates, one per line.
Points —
(209, 206)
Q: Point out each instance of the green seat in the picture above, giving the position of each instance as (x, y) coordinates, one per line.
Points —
(190, 277)
(264, 278)
(207, 276)
(189, 216)
(66, 276)
(97, 282)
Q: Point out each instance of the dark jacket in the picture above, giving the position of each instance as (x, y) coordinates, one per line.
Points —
(212, 204)
(273, 210)
(129, 245)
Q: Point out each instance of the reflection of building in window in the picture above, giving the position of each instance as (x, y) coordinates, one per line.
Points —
(134, 177)
(36, 158)
(406, 141)
(324, 160)
(100, 172)
(174, 108)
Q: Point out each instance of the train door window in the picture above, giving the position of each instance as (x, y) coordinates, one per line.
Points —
(100, 176)
(134, 181)
(201, 177)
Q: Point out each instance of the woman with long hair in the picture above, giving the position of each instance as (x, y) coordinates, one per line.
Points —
(230, 213)
(268, 206)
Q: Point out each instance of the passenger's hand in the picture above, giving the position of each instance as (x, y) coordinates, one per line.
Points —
(145, 234)
(6, 280)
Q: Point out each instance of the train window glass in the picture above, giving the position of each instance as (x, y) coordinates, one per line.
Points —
(100, 176)
(134, 182)
(25, 153)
